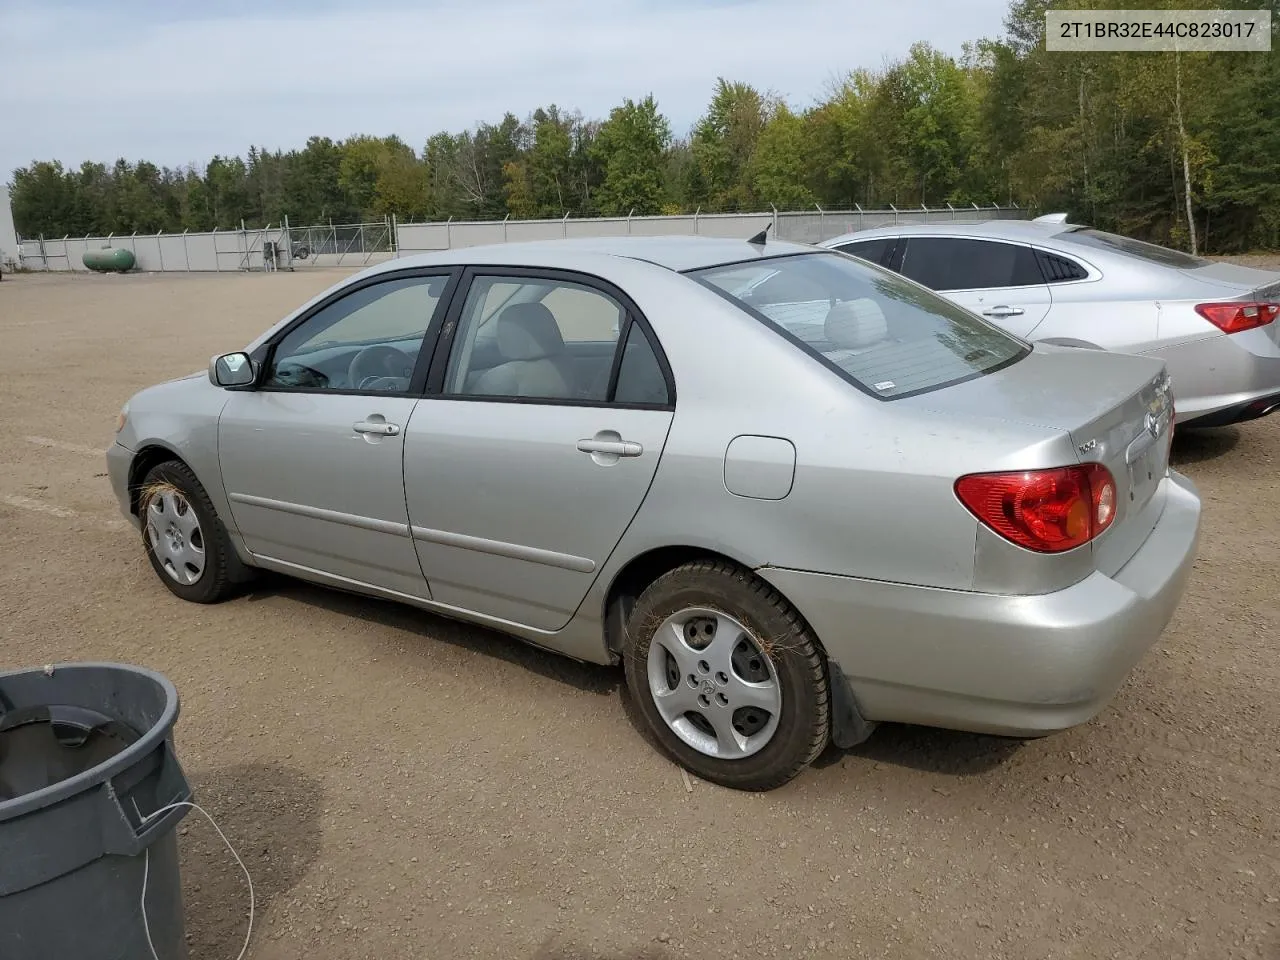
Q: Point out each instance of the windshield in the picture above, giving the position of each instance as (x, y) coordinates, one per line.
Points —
(1134, 248)
(886, 335)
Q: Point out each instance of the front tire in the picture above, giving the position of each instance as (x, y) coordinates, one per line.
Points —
(728, 677)
(185, 541)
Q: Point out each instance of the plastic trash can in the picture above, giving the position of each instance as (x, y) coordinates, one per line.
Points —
(86, 759)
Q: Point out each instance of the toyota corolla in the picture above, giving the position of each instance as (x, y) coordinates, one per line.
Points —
(793, 493)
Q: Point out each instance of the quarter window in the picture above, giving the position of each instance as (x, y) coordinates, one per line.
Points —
(945, 263)
(640, 378)
(1058, 269)
(368, 340)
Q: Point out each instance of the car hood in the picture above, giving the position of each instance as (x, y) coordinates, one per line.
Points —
(156, 393)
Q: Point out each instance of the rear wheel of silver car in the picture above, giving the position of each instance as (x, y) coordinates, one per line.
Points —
(727, 676)
(185, 541)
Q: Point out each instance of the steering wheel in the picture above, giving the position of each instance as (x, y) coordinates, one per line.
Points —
(379, 362)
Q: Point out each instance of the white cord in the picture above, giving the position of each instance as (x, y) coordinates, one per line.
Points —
(146, 870)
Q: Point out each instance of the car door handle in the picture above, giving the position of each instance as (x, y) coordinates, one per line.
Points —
(616, 448)
(1003, 311)
(379, 427)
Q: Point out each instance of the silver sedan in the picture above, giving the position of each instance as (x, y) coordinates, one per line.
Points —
(1214, 324)
(793, 493)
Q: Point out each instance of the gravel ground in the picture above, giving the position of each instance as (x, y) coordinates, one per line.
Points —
(404, 786)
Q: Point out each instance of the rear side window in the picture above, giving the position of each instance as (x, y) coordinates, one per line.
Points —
(1137, 249)
(945, 263)
(886, 336)
(1058, 269)
(640, 377)
(874, 251)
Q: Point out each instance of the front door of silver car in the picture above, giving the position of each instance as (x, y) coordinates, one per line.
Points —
(312, 458)
(536, 444)
(1000, 281)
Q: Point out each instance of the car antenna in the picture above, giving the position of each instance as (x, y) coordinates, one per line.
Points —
(759, 238)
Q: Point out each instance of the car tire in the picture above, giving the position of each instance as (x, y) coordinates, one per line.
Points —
(714, 598)
(184, 539)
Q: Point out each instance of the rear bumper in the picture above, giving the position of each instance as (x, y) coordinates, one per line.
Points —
(1011, 665)
(1224, 379)
(1239, 413)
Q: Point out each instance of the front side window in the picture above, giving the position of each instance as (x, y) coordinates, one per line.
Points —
(946, 263)
(550, 339)
(368, 340)
(885, 335)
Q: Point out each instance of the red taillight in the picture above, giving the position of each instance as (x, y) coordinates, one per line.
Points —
(1048, 511)
(1234, 316)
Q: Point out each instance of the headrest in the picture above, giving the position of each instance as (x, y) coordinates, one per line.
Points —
(528, 331)
(855, 324)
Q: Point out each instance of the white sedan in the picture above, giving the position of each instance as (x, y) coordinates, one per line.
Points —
(1214, 324)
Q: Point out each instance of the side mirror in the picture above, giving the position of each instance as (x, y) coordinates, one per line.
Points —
(231, 370)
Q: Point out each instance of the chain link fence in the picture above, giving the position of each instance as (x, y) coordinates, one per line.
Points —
(340, 244)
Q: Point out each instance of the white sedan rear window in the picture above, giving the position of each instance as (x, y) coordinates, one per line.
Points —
(888, 336)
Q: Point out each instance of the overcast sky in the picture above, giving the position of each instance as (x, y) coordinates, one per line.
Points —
(175, 81)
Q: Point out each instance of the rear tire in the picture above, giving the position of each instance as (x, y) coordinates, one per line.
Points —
(727, 676)
(185, 541)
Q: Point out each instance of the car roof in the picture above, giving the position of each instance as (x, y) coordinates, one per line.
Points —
(671, 252)
(1024, 230)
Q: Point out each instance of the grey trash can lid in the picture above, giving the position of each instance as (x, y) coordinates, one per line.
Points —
(136, 705)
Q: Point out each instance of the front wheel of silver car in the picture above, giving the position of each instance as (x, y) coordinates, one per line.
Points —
(727, 676)
(185, 541)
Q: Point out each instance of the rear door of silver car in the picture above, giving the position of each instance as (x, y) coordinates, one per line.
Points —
(545, 417)
(1001, 281)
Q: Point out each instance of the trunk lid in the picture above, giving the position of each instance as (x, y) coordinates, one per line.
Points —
(1245, 280)
(1117, 409)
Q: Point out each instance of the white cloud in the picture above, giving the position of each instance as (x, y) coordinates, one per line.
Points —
(133, 80)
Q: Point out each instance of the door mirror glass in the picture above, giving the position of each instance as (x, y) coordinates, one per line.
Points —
(231, 370)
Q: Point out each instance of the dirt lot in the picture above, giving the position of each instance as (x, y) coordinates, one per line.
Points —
(403, 786)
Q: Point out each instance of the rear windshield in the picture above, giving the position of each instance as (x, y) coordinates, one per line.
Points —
(1134, 248)
(886, 335)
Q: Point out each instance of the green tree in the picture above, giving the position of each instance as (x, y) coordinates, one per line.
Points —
(778, 170)
(724, 140)
(629, 148)
(1243, 197)
(43, 201)
(844, 158)
(312, 191)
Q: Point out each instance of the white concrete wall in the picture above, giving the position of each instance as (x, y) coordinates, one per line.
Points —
(8, 236)
(228, 250)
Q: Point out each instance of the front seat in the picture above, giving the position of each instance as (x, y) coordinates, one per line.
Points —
(534, 360)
